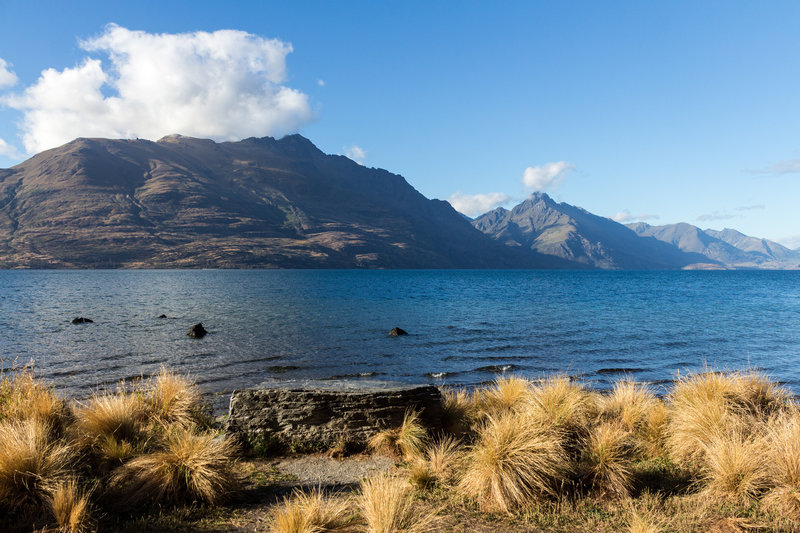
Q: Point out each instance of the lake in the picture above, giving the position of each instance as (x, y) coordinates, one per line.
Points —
(465, 326)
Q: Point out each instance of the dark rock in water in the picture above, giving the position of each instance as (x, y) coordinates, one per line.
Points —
(82, 320)
(396, 332)
(162, 316)
(324, 412)
(197, 331)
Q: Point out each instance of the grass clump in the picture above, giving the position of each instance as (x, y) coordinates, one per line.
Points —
(310, 512)
(606, 465)
(458, 411)
(406, 441)
(173, 399)
(734, 467)
(559, 403)
(31, 465)
(507, 394)
(512, 462)
(186, 468)
(70, 507)
(386, 505)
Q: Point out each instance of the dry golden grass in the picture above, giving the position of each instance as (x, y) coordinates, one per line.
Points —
(310, 512)
(30, 464)
(407, 441)
(172, 399)
(23, 397)
(561, 404)
(629, 403)
(645, 515)
(652, 433)
(506, 394)
(187, 468)
(734, 467)
(387, 506)
(513, 462)
(783, 462)
(605, 464)
(70, 507)
(118, 415)
(458, 411)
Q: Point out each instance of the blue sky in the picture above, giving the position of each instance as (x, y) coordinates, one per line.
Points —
(661, 111)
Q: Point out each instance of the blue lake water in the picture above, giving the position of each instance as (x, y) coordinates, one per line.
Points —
(465, 326)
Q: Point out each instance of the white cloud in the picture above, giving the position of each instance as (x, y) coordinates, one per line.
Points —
(224, 85)
(7, 78)
(356, 153)
(716, 215)
(546, 176)
(625, 216)
(477, 204)
(790, 166)
(321, 83)
(751, 207)
(9, 150)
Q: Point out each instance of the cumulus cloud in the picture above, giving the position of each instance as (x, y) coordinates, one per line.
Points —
(356, 153)
(7, 78)
(625, 216)
(549, 175)
(477, 204)
(223, 85)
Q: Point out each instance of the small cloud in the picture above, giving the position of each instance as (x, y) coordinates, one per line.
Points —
(752, 207)
(625, 216)
(9, 150)
(477, 204)
(790, 166)
(716, 215)
(7, 78)
(321, 83)
(549, 175)
(792, 242)
(223, 85)
(356, 153)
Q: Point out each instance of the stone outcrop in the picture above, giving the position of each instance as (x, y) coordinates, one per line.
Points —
(82, 320)
(324, 412)
(197, 331)
(397, 332)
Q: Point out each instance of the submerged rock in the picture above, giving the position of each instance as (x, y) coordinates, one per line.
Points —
(162, 316)
(82, 320)
(197, 331)
(396, 332)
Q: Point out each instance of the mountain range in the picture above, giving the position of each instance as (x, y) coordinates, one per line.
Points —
(183, 202)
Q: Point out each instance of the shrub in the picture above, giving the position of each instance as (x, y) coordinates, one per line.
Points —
(387, 506)
(187, 468)
(512, 462)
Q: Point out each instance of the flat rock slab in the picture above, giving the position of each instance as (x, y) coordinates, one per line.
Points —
(325, 412)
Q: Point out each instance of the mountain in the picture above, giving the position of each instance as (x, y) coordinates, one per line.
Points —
(544, 226)
(728, 247)
(186, 202)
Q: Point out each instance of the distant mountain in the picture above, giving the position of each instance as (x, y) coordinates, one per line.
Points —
(728, 247)
(186, 202)
(541, 225)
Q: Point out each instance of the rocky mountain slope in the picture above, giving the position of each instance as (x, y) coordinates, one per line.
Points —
(541, 225)
(186, 202)
(727, 247)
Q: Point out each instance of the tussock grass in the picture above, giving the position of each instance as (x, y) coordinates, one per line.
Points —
(513, 462)
(629, 403)
(645, 515)
(118, 415)
(606, 464)
(783, 461)
(507, 394)
(458, 411)
(70, 507)
(172, 399)
(652, 433)
(310, 512)
(559, 403)
(386, 504)
(186, 468)
(438, 464)
(406, 441)
(31, 465)
(22, 397)
(734, 467)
